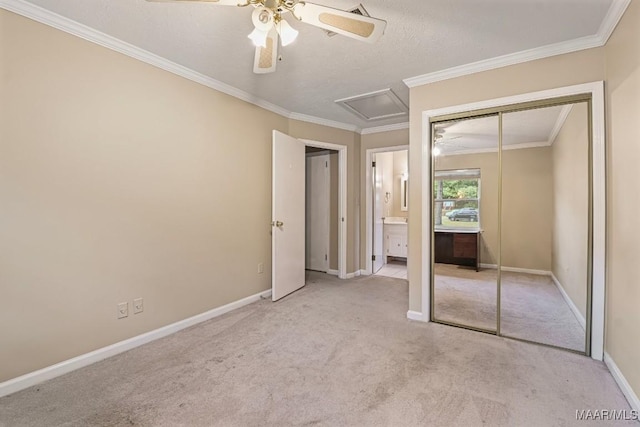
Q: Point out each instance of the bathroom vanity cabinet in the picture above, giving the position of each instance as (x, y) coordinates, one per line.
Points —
(395, 240)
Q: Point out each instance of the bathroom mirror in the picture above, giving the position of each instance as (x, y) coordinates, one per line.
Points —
(404, 193)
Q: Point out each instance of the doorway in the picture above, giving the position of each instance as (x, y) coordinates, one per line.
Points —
(288, 212)
(387, 208)
(321, 213)
(526, 264)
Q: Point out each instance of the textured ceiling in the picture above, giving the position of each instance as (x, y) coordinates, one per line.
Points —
(422, 36)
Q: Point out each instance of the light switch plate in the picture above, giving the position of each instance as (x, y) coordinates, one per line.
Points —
(138, 305)
(123, 310)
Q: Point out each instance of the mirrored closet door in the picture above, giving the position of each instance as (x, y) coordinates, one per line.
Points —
(465, 222)
(545, 225)
(511, 232)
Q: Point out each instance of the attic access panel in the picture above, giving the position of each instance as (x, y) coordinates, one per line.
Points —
(382, 104)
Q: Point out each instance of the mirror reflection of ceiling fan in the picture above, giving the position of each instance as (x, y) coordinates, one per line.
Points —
(270, 25)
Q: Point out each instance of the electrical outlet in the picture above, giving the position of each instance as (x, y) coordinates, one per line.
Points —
(138, 305)
(260, 268)
(123, 310)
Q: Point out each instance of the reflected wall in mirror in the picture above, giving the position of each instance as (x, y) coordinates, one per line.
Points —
(545, 220)
(465, 222)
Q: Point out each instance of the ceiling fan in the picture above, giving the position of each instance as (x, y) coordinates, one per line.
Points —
(270, 25)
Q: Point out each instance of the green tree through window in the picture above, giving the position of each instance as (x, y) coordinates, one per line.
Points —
(457, 198)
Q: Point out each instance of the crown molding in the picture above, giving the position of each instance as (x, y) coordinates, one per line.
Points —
(562, 117)
(520, 146)
(610, 21)
(387, 128)
(613, 16)
(324, 122)
(44, 16)
(575, 45)
(70, 26)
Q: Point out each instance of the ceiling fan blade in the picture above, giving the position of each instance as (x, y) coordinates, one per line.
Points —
(267, 57)
(348, 24)
(218, 2)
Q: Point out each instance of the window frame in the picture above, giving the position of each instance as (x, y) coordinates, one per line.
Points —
(467, 174)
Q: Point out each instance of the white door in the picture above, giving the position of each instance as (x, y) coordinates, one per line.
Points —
(288, 219)
(317, 213)
(378, 224)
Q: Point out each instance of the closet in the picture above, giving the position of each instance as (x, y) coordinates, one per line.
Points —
(512, 221)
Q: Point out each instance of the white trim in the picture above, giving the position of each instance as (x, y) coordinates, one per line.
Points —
(610, 21)
(569, 301)
(614, 14)
(364, 273)
(352, 275)
(414, 315)
(92, 35)
(624, 385)
(516, 269)
(333, 272)
(342, 200)
(562, 117)
(404, 110)
(368, 266)
(425, 240)
(521, 146)
(324, 122)
(36, 377)
(386, 128)
(596, 89)
(70, 26)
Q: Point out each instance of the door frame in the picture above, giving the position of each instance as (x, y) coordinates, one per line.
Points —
(368, 269)
(342, 203)
(327, 187)
(597, 121)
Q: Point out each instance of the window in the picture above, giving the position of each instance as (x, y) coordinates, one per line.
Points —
(457, 198)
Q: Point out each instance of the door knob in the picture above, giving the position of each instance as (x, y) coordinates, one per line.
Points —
(277, 223)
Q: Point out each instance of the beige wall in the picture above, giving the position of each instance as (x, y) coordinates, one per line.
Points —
(527, 207)
(623, 204)
(119, 180)
(400, 167)
(526, 193)
(368, 142)
(564, 70)
(570, 160)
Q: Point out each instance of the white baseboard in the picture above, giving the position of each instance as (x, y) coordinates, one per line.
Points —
(333, 272)
(364, 273)
(44, 374)
(352, 275)
(517, 269)
(569, 302)
(628, 392)
(415, 315)
(526, 271)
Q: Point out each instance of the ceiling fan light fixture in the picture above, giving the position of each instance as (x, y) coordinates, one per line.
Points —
(259, 38)
(288, 34)
(262, 18)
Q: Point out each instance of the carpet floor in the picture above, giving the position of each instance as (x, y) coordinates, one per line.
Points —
(335, 353)
(532, 306)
